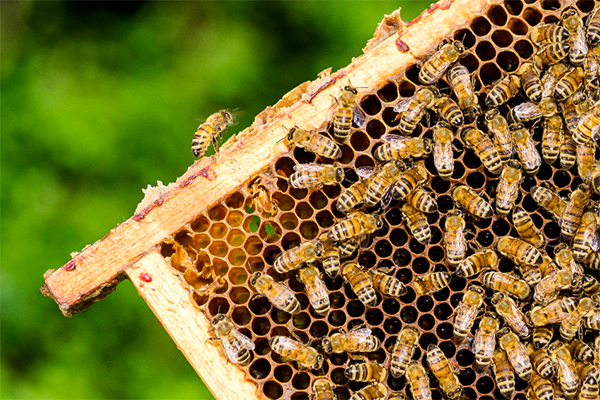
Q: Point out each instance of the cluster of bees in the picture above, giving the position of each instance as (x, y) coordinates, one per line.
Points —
(543, 345)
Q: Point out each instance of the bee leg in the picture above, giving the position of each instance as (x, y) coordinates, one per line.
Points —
(215, 143)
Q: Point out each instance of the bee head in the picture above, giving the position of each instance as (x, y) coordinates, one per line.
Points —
(516, 127)
(378, 221)
(319, 250)
(291, 133)
(503, 332)
(218, 318)
(326, 345)
(427, 146)
(459, 46)
(254, 278)
(227, 116)
(339, 174)
(350, 89)
(476, 287)
(319, 362)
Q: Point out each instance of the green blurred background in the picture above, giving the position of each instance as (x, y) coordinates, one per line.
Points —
(98, 101)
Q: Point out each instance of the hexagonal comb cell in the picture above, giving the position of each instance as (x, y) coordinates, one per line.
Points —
(218, 251)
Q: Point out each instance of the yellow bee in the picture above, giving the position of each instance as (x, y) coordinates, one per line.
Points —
(352, 196)
(563, 256)
(554, 312)
(386, 284)
(403, 350)
(526, 228)
(516, 353)
(376, 391)
(586, 157)
(409, 181)
(498, 126)
(358, 223)
(528, 154)
(422, 200)
(514, 317)
(454, 239)
(542, 364)
(592, 261)
(552, 138)
(505, 377)
(572, 323)
(368, 371)
(574, 108)
(417, 223)
(476, 263)
(592, 322)
(549, 201)
(467, 311)
(519, 251)
(548, 33)
(346, 113)
(315, 175)
(592, 72)
(211, 130)
(356, 341)
(484, 148)
(331, 258)
(449, 110)
(439, 365)
(508, 187)
(542, 335)
(323, 390)
(531, 275)
(568, 152)
(548, 265)
(528, 111)
(587, 128)
(315, 289)
(295, 257)
(571, 217)
(443, 157)
(507, 283)
(551, 78)
(237, 346)
(472, 202)
(431, 282)
(504, 90)
(412, 109)
(590, 285)
(593, 27)
(360, 282)
(306, 356)
(578, 47)
(581, 351)
(568, 84)
(541, 388)
(438, 63)
(461, 83)
(484, 341)
(550, 54)
(381, 182)
(567, 371)
(417, 378)
(550, 285)
(261, 197)
(530, 81)
(315, 143)
(281, 296)
(397, 147)
(589, 383)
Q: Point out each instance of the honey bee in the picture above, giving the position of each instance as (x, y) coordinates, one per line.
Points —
(548, 33)
(592, 261)
(454, 239)
(592, 72)
(593, 27)
(531, 275)
(422, 200)
(552, 138)
(581, 350)
(508, 188)
(439, 365)
(567, 371)
(381, 184)
(589, 383)
(587, 127)
(484, 148)
(323, 390)
(261, 198)
(211, 131)
(331, 259)
(586, 157)
(306, 356)
(484, 341)
(467, 311)
(358, 223)
(541, 387)
(554, 312)
(315, 143)
(568, 152)
(401, 147)
(409, 181)
(431, 282)
(295, 257)
(316, 175)
(315, 288)
(346, 113)
(563, 256)
(573, 212)
(514, 317)
(551, 78)
(516, 353)
(550, 285)
(498, 126)
(541, 362)
(526, 228)
(530, 81)
(417, 378)
(590, 285)
(347, 248)
(504, 90)
(356, 341)
(550, 54)
(376, 391)
(461, 83)
(411, 110)
(528, 154)
(574, 108)
(476, 263)
(507, 283)
(572, 323)
(237, 346)
(277, 293)
(577, 43)
(443, 157)
(417, 223)
(386, 284)
(542, 335)
(360, 282)
(403, 350)
(528, 111)
(505, 378)
(449, 110)
(472, 202)
(368, 371)
(438, 63)
(568, 84)
(353, 196)
(592, 322)
(548, 265)
(549, 201)
(519, 251)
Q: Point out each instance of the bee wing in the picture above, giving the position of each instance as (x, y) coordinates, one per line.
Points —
(359, 117)
(232, 352)
(308, 167)
(365, 172)
(391, 138)
(360, 333)
(319, 293)
(529, 153)
(592, 238)
(388, 196)
(404, 104)
(244, 340)
(526, 109)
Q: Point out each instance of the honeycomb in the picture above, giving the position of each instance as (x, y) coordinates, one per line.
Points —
(231, 240)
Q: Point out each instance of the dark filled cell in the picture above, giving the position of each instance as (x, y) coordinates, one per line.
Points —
(532, 16)
(445, 203)
(303, 156)
(585, 6)
(409, 314)
(260, 368)
(426, 322)
(337, 318)
(476, 180)
(485, 384)
(261, 326)
(466, 376)
(514, 7)
(402, 257)
(439, 185)
(355, 308)
(337, 300)
(455, 299)
(459, 170)
(550, 4)
(469, 393)
(375, 129)
(517, 26)
(416, 247)
(466, 37)
(301, 320)
(301, 381)
(426, 339)
(370, 105)
(441, 295)
(442, 311)
(485, 51)
(338, 358)
(485, 238)
(465, 357)
(448, 348)
(500, 227)
(420, 265)
(490, 73)
(394, 217)
(409, 296)
(283, 373)
(359, 141)
(391, 306)
(425, 303)
(552, 230)
(497, 15)
(388, 92)
(374, 316)
(444, 330)
(383, 248)
(529, 204)
(392, 325)
(505, 265)
(367, 259)
(436, 253)
(508, 61)
(389, 117)
(335, 283)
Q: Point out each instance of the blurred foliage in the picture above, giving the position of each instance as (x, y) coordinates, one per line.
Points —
(99, 100)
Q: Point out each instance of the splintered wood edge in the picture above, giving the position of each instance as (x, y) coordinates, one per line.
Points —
(165, 294)
(93, 273)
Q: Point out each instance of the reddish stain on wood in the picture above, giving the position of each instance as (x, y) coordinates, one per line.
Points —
(208, 173)
(401, 44)
(142, 214)
(70, 266)
(145, 277)
(189, 180)
(442, 6)
(414, 21)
